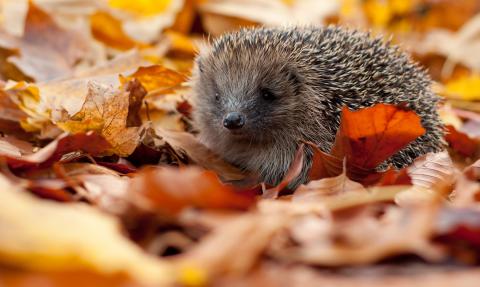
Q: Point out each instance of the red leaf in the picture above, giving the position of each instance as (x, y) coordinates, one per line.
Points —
(323, 164)
(89, 143)
(169, 190)
(369, 136)
(461, 142)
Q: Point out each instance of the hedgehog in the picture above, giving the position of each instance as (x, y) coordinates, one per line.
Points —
(259, 92)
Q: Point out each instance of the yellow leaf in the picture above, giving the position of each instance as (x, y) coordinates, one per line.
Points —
(156, 77)
(181, 44)
(465, 88)
(107, 29)
(105, 111)
(141, 7)
(27, 97)
(45, 235)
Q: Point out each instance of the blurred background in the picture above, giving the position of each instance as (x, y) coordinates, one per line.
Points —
(443, 35)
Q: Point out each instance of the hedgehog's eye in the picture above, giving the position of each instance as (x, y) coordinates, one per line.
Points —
(217, 97)
(268, 95)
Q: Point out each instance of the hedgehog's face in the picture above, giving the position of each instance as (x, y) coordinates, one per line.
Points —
(255, 100)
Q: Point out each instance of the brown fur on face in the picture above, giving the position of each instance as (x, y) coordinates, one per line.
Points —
(289, 84)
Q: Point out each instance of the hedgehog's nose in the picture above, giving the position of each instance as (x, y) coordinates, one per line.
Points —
(233, 121)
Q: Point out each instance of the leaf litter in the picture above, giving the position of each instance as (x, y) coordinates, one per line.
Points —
(104, 181)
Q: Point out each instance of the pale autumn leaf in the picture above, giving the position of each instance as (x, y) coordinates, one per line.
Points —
(243, 237)
(319, 189)
(94, 242)
(27, 98)
(221, 16)
(46, 51)
(105, 111)
(365, 240)
(433, 176)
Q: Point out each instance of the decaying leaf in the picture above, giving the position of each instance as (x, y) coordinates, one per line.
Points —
(105, 111)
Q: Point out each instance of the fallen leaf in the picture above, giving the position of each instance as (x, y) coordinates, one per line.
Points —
(365, 240)
(89, 143)
(186, 143)
(156, 78)
(319, 189)
(94, 242)
(433, 176)
(243, 237)
(369, 136)
(108, 29)
(106, 111)
(169, 190)
(461, 142)
(46, 51)
(323, 165)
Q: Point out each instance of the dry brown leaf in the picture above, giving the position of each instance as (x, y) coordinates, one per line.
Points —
(106, 111)
(433, 176)
(319, 189)
(46, 51)
(186, 143)
(366, 239)
(244, 237)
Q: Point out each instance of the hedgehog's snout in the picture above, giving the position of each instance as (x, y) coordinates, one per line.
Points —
(234, 121)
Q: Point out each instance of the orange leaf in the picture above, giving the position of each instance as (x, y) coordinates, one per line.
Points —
(156, 77)
(323, 164)
(108, 30)
(369, 136)
(90, 143)
(169, 190)
(461, 142)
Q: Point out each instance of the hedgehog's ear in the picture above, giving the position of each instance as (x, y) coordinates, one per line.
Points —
(293, 77)
(203, 51)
